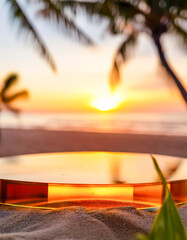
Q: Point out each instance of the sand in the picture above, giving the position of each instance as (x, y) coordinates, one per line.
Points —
(80, 223)
(76, 223)
(16, 141)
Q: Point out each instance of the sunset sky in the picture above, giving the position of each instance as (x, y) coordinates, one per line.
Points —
(82, 74)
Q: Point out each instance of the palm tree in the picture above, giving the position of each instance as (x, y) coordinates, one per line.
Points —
(130, 18)
(6, 95)
(19, 16)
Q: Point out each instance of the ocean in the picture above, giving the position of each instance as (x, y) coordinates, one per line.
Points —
(139, 123)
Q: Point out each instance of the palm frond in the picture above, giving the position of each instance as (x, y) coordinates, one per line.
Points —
(15, 96)
(18, 14)
(128, 9)
(113, 10)
(119, 58)
(91, 8)
(9, 81)
(56, 12)
(179, 30)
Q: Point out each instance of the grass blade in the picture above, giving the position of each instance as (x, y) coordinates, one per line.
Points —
(167, 224)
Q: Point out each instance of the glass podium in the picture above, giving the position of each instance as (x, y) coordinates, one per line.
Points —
(90, 179)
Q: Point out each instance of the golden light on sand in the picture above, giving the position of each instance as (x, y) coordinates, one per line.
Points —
(108, 102)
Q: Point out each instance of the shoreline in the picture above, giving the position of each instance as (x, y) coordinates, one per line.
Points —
(30, 141)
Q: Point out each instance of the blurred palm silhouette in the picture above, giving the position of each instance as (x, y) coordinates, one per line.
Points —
(126, 17)
(6, 94)
(19, 15)
(130, 18)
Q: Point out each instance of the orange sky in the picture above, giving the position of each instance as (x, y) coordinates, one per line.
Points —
(73, 90)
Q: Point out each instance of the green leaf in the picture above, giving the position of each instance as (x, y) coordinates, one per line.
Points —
(167, 224)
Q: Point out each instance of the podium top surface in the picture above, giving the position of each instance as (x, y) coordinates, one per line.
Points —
(91, 168)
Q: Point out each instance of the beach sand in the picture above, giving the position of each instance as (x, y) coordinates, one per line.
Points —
(79, 223)
(76, 223)
(17, 141)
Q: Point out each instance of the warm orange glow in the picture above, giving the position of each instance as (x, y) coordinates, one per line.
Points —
(108, 102)
(57, 192)
(51, 196)
(106, 180)
(156, 100)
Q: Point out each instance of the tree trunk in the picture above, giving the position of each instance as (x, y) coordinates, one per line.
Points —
(168, 68)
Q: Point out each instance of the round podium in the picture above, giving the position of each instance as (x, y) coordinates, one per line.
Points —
(90, 179)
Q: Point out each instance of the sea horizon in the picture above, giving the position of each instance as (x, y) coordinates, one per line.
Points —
(139, 123)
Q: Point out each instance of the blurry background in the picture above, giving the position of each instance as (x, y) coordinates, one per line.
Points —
(148, 101)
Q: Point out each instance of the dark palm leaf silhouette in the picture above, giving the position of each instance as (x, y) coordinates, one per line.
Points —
(6, 95)
(51, 10)
(132, 17)
(18, 14)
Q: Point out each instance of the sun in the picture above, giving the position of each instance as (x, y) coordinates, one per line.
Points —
(107, 103)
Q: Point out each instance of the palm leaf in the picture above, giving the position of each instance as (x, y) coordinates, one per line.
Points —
(128, 9)
(167, 224)
(6, 97)
(119, 58)
(20, 94)
(18, 14)
(100, 8)
(9, 81)
(108, 9)
(56, 11)
(182, 34)
(96, 10)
